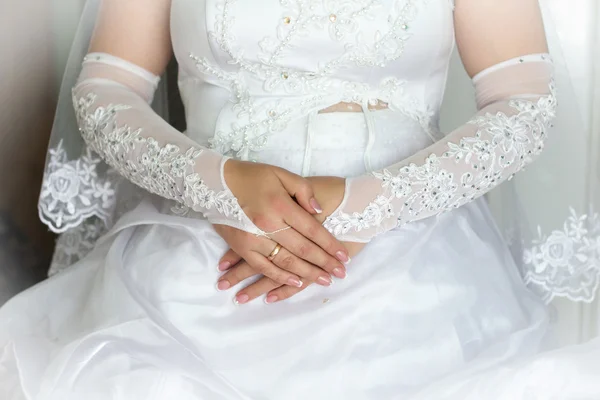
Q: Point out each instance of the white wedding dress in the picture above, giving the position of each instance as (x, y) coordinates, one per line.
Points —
(433, 309)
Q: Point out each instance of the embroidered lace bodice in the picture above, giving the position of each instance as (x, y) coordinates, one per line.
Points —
(266, 65)
(249, 72)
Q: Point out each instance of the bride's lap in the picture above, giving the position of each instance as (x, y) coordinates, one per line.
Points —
(442, 283)
(418, 303)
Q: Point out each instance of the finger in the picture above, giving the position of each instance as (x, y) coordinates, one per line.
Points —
(310, 228)
(235, 275)
(263, 266)
(302, 257)
(289, 262)
(283, 293)
(228, 260)
(258, 288)
(306, 250)
(300, 189)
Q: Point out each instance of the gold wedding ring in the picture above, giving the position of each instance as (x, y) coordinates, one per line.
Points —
(274, 252)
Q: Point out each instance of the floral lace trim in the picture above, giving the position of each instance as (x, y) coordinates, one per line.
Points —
(267, 119)
(566, 263)
(163, 170)
(76, 243)
(72, 191)
(501, 141)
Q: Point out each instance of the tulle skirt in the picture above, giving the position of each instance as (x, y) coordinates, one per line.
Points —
(141, 317)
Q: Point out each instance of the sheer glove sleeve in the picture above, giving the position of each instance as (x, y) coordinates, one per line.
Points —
(516, 103)
(111, 101)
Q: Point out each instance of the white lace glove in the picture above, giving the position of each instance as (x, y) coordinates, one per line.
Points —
(517, 103)
(111, 101)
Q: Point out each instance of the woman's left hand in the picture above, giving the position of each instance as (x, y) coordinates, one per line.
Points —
(274, 291)
(329, 192)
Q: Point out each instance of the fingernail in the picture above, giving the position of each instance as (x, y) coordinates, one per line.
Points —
(271, 299)
(224, 265)
(294, 282)
(343, 257)
(241, 299)
(223, 285)
(324, 281)
(315, 206)
(340, 273)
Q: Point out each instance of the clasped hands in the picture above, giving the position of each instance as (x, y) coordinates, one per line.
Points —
(275, 199)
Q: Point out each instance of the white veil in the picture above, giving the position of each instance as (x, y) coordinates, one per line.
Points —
(549, 212)
(555, 239)
(80, 196)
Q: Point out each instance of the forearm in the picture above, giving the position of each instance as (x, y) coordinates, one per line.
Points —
(517, 105)
(116, 121)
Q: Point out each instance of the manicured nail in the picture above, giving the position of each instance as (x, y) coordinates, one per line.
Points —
(315, 206)
(343, 257)
(224, 265)
(223, 285)
(324, 281)
(241, 299)
(340, 273)
(294, 282)
(271, 299)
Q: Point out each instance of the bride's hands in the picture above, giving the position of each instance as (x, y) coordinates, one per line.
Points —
(275, 292)
(266, 194)
(329, 192)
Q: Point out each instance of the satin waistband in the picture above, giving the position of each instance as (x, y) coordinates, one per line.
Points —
(369, 114)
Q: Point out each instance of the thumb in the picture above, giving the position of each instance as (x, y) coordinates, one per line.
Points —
(301, 189)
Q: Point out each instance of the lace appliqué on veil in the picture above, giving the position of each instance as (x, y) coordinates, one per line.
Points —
(72, 191)
(76, 243)
(566, 263)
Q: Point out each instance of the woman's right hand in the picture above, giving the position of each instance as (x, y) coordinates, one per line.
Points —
(329, 192)
(274, 199)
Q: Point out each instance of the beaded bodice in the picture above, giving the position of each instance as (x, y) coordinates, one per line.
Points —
(264, 64)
